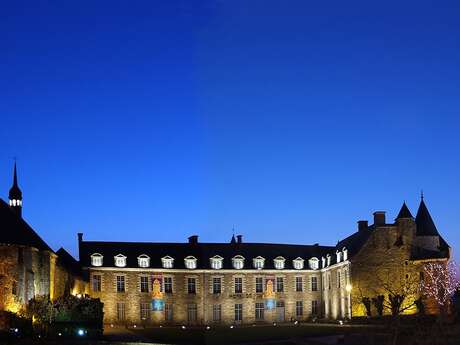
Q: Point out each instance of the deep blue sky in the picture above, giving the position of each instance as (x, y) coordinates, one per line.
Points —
(289, 120)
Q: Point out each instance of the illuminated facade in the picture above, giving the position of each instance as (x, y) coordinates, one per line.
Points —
(28, 266)
(237, 282)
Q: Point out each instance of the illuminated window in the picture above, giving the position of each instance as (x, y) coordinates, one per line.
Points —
(143, 260)
(190, 262)
(216, 262)
(345, 254)
(238, 262)
(298, 263)
(279, 262)
(167, 262)
(313, 263)
(258, 262)
(120, 260)
(96, 259)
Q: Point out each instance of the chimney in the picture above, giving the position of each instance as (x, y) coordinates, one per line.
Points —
(379, 218)
(239, 239)
(193, 239)
(80, 237)
(362, 225)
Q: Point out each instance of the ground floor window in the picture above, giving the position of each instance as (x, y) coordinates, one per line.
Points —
(145, 311)
(299, 308)
(121, 312)
(314, 307)
(168, 312)
(260, 310)
(191, 312)
(216, 313)
(238, 312)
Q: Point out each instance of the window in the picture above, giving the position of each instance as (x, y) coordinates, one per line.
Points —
(216, 285)
(168, 312)
(216, 262)
(144, 284)
(191, 312)
(238, 285)
(260, 307)
(279, 262)
(339, 256)
(143, 260)
(238, 312)
(259, 284)
(167, 262)
(168, 284)
(121, 314)
(216, 313)
(120, 260)
(279, 284)
(190, 262)
(238, 262)
(191, 285)
(314, 283)
(97, 282)
(258, 262)
(96, 259)
(298, 263)
(145, 311)
(314, 307)
(298, 308)
(298, 284)
(338, 280)
(313, 263)
(120, 283)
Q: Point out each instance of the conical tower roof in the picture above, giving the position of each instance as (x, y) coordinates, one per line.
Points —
(424, 222)
(404, 212)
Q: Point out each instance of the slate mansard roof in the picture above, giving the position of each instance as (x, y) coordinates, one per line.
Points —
(14, 230)
(201, 251)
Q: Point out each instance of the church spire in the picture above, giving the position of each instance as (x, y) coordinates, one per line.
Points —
(15, 194)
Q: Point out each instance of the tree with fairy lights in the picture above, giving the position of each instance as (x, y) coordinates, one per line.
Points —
(441, 280)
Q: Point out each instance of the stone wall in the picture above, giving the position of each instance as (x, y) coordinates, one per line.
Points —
(204, 298)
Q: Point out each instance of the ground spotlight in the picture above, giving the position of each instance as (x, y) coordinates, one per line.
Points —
(81, 332)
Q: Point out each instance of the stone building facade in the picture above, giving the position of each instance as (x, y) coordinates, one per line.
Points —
(28, 266)
(237, 282)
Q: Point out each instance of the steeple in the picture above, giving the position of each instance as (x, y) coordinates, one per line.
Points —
(15, 194)
(404, 212)
(424, 222)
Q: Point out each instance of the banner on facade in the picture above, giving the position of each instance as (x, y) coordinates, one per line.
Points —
(157, 294)
(269, 295)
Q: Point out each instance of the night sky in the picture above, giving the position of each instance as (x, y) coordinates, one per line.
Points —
(287, 120)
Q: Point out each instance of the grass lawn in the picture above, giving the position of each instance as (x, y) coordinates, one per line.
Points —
(226, 335)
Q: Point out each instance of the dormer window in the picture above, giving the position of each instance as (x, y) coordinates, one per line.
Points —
(258, 262)
(345, 254)
(96, 259)
(298, 263)
(167, 262)
(190, 262)
(323, 262)
(328, 260)
(143, 260)
(120, 260)
(278, 262)
(314, 263)
(339, 256)
(238, 262)
(216, 262)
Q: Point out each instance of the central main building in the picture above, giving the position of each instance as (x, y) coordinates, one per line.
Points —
(238, 282)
